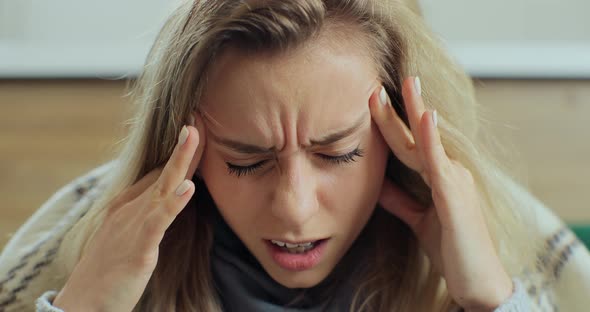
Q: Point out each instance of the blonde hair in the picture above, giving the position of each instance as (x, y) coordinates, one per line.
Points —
(400, 277)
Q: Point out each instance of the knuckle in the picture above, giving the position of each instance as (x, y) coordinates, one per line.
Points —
(146, 260)
(426, 175)
(113, 209)
(169, 209)
(160, 192)
(155, 203)
(441, 175)
(152, 227)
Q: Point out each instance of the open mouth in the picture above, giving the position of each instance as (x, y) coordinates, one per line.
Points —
(297, 257)
(296, 248)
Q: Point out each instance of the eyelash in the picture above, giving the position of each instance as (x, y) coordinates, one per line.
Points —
(340, 159)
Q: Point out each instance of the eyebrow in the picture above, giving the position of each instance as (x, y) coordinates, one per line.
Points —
(245, 148)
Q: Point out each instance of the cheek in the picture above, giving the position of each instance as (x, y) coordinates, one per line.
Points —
(232, 196)
(354, 189)
(218, 181)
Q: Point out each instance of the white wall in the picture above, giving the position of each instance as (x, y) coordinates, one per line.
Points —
(71, 38)
(515, 38)
(510, 20)
(110, 38)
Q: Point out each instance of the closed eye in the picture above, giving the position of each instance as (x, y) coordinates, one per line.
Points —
(346, 158)
(339, 160)
(244, 170)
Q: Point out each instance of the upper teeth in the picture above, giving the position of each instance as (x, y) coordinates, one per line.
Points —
(288, 245)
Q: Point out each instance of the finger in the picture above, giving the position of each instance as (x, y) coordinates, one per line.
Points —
(157, 221)
(414, 104)
(400, 204)
(175, 204)
(197, 121)
(136, 189)
(177, 167)
(436, 157)
(395, 132)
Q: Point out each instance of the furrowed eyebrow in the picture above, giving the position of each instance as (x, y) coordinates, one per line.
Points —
(339, 135)
(242, 148)
(245, 148)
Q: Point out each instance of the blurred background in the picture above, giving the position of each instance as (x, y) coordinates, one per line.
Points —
(64, 65)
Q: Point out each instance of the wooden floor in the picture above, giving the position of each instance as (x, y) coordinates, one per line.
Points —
(54, 131)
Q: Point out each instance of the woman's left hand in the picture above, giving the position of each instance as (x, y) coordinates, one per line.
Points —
(452, 231)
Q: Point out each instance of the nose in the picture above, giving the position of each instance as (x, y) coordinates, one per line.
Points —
(295, 201)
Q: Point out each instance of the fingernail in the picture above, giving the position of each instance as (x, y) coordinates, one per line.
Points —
(183, 135)
(383, 96)
(435, 118)
(182, 188)
(418, 86)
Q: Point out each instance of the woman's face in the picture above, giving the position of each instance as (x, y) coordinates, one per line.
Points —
(292, 154)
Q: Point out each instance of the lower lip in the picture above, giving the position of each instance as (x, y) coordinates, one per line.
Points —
(297, 261)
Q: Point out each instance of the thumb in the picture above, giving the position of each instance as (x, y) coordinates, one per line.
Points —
(400, 204)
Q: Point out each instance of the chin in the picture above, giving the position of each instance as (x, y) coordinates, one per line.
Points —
(305, 279)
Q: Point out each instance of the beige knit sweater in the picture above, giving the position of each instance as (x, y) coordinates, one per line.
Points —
(559, 282)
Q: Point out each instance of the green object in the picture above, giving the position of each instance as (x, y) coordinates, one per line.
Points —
(582, 231)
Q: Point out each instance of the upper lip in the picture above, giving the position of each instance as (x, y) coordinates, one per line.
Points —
(296, 242)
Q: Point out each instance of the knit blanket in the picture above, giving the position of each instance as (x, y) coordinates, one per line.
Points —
(560, 281)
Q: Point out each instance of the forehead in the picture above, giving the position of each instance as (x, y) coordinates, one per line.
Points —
(317, 85)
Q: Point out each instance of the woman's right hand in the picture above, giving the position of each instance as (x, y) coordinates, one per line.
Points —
(120, 258)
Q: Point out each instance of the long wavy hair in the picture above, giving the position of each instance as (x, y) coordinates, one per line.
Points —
(400, 277)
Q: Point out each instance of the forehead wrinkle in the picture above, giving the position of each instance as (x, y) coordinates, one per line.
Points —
(274, 95)
(235, 145)
(338, 135)
(331, 138)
